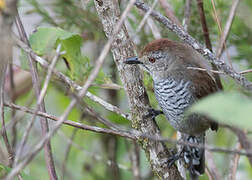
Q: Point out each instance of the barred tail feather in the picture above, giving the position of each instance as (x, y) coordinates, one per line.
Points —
(194, 157)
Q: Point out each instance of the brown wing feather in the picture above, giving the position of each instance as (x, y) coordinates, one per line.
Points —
(203, 85)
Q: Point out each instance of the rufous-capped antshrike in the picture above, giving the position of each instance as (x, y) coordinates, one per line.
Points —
(176, 88)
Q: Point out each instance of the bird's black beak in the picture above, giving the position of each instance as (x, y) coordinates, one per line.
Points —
(132, 60)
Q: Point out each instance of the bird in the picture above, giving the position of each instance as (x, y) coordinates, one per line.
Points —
(176, 87)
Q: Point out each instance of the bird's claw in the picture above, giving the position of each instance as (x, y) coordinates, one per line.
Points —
(153, 113)
(171, 160)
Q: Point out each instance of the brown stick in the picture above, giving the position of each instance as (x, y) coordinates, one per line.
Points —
(227, 28)
(44, 123)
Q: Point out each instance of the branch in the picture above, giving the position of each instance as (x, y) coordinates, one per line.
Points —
(73, 123)
(211, 164)
(169, 12)
(130, 134)
(4, 132)
(221, 65)
(187, 14)
(243, 139)
(7, 16)
(204, 24)
(227, 28)
(234, 164)
(40, 105)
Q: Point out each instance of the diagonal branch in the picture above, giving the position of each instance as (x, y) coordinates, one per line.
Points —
(227, 28)
(37, 87)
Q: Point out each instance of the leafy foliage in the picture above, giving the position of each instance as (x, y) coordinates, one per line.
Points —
(72, 22)
(231, 108)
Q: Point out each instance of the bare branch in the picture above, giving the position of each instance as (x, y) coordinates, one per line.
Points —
(211, 165)
(92, 154)
(41, 105)
(135, 161)
(224, 35)
(3, 132)
(234, 164)
(12, 93)
(169, 12)
(243, 139)
(204, 24)
(154, 29)
(73, 123)
(130, 134)
(221, 65)
(187, 14)
(7, 16)
(141, 24)
(67, 152)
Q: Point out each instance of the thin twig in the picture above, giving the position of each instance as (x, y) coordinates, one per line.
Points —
(207, 39)
(94, 73)
(130, 134)
(135, 161)
(67, 152)
(37, 86)
(154, 29)
(211, 165)
(92, 154)
(220, 29)
(12, 93)
(141, 24)
(72, 123)
(187, 14)
(40, 99)
(204, 24)
(221, 65)
(243, 139)
(218, 72)
(3, 132)
(234, 164)
(224, 35)
(169, 12)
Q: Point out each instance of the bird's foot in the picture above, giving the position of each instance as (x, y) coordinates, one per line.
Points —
(153, 113)
(171, 160)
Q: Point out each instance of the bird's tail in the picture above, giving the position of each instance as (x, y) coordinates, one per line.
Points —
(194, 157)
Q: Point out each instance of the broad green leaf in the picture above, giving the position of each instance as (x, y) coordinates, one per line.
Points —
(44, 40)
(230, 108)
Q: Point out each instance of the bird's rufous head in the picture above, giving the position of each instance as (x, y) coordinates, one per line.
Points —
(157, 57)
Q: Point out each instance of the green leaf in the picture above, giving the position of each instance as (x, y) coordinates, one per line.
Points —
(230, 108)
(44, 40)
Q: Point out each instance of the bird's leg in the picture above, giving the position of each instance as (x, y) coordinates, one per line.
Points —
(171, 160)
(153, 113)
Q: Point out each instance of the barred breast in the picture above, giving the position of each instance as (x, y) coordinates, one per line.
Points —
(174, 97)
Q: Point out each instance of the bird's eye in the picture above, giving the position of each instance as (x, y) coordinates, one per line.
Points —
(152, 60)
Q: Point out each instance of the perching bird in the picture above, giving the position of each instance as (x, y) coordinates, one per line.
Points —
(177, 87)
